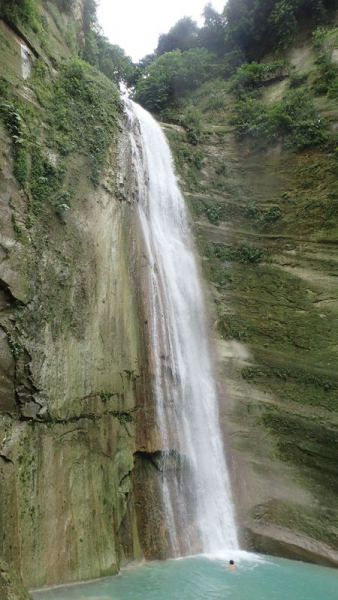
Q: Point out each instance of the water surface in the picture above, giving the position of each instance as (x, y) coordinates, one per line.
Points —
(202, 578)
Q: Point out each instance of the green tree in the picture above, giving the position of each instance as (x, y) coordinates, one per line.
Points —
(211, 35)
(182, 36)
(258, 26)
(247, 26)
(139, 69)
(113, 61)
(172, 76)
(89, 14)
(283, 21)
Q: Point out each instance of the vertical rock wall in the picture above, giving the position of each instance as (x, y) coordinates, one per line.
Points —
(70, 399)
(70, 346)
(266, 227)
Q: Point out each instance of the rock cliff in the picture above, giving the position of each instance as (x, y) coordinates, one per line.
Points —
(78, 450)
(265, 221)
(71, 346)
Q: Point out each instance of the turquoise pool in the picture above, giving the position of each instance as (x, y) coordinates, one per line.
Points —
(203, 578)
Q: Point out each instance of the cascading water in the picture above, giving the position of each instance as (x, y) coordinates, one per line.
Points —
(184, 385)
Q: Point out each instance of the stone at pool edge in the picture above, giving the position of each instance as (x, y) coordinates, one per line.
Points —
(11, 586)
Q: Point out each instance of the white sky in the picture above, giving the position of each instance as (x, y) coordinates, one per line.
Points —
(136, 24)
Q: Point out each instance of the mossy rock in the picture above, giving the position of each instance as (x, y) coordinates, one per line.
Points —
(11, 587)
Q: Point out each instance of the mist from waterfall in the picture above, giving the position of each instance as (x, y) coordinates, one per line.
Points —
(184, 383)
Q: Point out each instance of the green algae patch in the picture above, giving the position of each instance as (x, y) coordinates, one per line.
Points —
(316, 522)
(24, 13)
(188, 158)
(296, 385)
(245, 253)
(85, 107)
(311, 197)
(80, 107)
(309, 445)
(274, 310)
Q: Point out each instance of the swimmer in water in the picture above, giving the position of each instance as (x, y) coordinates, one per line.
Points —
(232, 566)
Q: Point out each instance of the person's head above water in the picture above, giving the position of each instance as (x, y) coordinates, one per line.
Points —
(231, 562)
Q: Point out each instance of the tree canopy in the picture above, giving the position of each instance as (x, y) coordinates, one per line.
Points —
(109, 58)
(258, 26)
(173, 75)
(211, 35)
(188, 55)
(182, 36)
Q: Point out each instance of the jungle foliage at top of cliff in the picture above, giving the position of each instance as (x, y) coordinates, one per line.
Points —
(109, 58)
(246, 30)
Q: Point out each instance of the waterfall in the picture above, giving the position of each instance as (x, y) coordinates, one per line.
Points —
(195, 481)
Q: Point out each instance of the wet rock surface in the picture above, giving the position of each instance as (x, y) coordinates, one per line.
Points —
(269, 255)
(70, 344)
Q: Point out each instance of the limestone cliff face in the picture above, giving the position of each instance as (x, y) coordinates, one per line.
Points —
(269, 249)
(70, 399)
(78, 448)
(70, 345)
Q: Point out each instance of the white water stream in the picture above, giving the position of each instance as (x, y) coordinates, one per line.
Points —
(185, 388)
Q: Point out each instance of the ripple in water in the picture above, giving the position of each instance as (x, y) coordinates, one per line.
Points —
(208, 578)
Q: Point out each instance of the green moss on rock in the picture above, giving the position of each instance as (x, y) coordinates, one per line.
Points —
(266, 228)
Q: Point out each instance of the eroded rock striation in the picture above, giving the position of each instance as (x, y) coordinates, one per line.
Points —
(265, 221)
(72, 357)
(79, 454)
